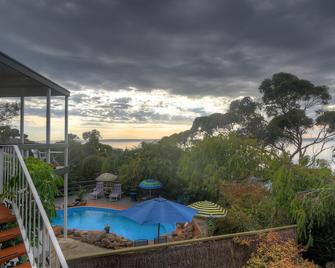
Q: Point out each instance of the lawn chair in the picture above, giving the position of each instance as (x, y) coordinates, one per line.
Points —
(43, 157)
(116, 192)
(98, 190)
(39, 155)
(141, 242)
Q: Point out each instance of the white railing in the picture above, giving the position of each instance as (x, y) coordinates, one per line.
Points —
(42, 247)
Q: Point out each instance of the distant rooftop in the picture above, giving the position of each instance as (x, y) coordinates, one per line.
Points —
(18, 80)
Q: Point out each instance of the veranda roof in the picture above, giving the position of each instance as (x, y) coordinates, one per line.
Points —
(18, 80)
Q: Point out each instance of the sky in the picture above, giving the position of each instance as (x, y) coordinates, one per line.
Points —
(146, 69)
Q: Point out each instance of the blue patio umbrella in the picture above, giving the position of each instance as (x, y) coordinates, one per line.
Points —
(150, 184)
(159, 211)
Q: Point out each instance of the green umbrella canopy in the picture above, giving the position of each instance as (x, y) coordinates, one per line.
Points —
(106, 177)
(208, 209)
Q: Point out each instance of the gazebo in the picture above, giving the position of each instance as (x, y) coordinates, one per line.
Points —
(18, 80)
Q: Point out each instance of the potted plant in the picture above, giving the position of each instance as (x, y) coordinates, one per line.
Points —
(80, 194)
(107, 228)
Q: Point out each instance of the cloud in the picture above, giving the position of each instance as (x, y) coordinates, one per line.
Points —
(194, 47)
(165, 62)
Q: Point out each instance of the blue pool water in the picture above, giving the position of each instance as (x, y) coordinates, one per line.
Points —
(91, 218)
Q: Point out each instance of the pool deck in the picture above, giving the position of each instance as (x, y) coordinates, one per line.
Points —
(102, 202)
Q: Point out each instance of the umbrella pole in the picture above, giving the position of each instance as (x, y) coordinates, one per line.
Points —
(159, 226)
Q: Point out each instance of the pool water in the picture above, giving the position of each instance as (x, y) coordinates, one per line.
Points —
(92, 218)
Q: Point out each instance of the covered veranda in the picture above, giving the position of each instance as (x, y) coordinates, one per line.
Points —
(19, 81)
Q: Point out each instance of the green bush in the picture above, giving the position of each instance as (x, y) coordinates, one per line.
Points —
(46, 181)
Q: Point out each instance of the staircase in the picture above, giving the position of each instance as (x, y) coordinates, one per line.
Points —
(28, 235)
(11, 243)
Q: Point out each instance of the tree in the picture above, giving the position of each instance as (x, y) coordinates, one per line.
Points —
(154, 161)
(7, 134)
(73, 137)
(90, 167)
(221, 158)
(290, 103)
(92, 136)
(8, 111)
(246, 119)
(47, 183)
(249, 206)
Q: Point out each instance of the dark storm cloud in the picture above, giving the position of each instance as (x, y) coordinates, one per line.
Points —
(192, 47)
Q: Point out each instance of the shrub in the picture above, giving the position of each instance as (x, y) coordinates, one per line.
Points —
(273, 252)
(46, 181)
(249, 207)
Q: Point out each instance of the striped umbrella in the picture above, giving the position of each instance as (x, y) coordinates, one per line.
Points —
(208, 209)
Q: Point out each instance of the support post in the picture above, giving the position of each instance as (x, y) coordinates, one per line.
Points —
(66, 162)
(2, 181)
(22, 119)
(48, 123)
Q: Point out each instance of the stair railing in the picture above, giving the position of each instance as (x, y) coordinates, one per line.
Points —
(42, 246)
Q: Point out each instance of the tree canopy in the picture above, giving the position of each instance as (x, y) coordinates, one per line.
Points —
(7, 112)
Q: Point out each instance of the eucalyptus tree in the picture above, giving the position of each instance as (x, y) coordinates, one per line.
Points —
(296, 108)
(8, 111)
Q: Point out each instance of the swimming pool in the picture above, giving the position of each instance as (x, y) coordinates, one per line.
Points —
(92, 218)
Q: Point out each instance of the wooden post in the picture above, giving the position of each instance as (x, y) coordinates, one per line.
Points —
(66, 162)
(2, 182)
(22, 119)
(159, 227)
(48, 123)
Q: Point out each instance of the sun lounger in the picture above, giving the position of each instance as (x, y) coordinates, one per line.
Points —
(98, 190)
(116, 192)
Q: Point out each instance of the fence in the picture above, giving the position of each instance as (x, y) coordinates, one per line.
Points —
(217, 251)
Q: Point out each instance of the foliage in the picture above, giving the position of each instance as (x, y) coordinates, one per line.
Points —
(107, 228)
(249, 207)
(92, 136)
(273, 252)
(7, 134)
(46, 182)
(294, 108)
(90, 167)
(210, 123)
(246, 118)
(8, 111)
(243, 118)
(153, 161)
(215, 159)
(291, 103)
(313, 209)
(287, 181)
(323, 248)
(80, 194)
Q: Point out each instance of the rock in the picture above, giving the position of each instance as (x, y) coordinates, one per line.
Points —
(58, 230)
(70, 231)
(77, 233)
(101, 239)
